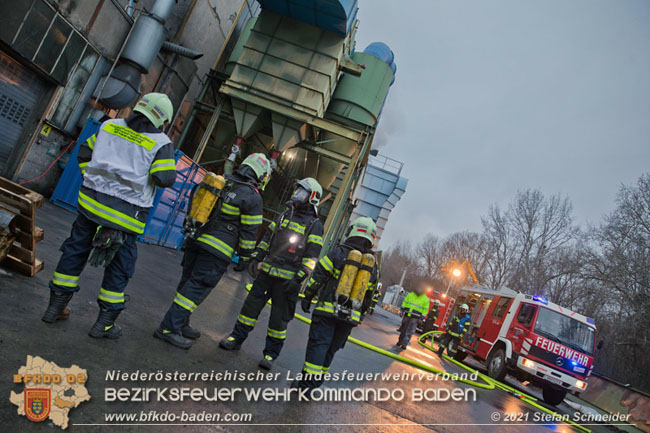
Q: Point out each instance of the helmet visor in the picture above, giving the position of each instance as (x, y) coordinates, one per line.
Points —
(300, 195)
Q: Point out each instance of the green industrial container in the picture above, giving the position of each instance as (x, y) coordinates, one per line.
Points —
(361, 98)
(289, 61)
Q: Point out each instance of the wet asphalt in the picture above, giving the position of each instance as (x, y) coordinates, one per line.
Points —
(22, 333)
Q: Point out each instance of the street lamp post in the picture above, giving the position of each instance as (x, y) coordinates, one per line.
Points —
(456, 272)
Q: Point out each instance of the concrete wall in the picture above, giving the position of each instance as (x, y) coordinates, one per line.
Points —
(615, 398)
(206, 31)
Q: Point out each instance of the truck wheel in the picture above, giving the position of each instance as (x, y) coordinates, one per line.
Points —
(553, 396)
(496, 364)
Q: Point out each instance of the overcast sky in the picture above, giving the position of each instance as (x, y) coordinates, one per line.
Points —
(492, 96)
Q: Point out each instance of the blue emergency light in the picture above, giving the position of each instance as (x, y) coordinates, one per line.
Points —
(541, 299)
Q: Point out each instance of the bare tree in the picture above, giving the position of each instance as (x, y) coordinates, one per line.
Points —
(621, 265)
(527, 239)
(429, 254)
(534, 246)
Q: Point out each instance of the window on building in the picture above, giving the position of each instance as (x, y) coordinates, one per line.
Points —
(43, 36)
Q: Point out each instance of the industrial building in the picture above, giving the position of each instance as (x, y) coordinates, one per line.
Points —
(277, 76)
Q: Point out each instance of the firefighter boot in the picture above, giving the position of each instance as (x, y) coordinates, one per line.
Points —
(229, 343)
(105, 326)
(266, 363)
(57, 309)
(173, 338)
(188, 332)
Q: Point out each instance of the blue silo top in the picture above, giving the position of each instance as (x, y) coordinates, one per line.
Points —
(334, 15)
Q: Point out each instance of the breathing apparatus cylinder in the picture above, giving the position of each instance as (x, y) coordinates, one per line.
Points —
(348, 275)
(203, 202)
(361, 280)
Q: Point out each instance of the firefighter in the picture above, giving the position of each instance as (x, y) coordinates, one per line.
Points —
(375, 299)
(414, 307)
(329, 331)
(232, 225)
(432, 316)
(285, 256)
(455, 330)
(122, 165)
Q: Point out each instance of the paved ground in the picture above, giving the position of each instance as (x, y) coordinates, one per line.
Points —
(151, 290)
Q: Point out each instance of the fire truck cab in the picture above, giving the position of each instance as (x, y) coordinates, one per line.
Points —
(530, 338)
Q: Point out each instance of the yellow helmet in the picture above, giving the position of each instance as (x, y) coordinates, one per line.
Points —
(156, 107)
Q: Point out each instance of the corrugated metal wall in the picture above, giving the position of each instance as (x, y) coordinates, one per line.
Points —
(20, 93)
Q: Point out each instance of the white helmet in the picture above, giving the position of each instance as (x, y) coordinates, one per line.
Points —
(156, 107)
(464, 308)
(261, 166)
(363, 227)
(313, 188)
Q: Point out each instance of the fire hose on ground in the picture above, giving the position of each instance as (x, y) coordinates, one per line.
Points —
(488, 382)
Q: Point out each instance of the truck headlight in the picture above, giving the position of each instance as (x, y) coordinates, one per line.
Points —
(580, 384)
(528, 363)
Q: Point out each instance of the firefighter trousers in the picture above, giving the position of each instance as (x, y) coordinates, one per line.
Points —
(327, 335)
(406, 331)
(201, 273)
(429, 323)
(76, 249)
(445, 340)
(283, 307)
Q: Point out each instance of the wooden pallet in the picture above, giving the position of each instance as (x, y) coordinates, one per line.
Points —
(22, 202)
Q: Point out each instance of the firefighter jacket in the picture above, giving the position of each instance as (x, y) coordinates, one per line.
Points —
(325, 278)
(234, 221)
(122, 165)
(416, 305)
(458, 325)
(291, 244)
(433, 314)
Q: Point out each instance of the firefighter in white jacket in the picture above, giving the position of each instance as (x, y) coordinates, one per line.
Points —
(122, 165)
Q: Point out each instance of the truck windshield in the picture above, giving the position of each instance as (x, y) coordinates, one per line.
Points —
(565, 330)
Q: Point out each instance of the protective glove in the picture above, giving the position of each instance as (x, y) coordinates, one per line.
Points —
(241, 265)
(106, 242)
(253, 268)
(305, 304)
(292, 287)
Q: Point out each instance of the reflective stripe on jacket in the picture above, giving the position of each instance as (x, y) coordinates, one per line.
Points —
(458, 325)
(325, 278)
(123, 160)
(282, 263)
(109, 208)
(234, 222)
(416, 303)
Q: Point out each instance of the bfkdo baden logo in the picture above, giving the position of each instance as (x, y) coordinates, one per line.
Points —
(37, 404)
(50, 391)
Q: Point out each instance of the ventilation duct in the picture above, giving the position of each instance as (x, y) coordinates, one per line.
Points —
(146, 38)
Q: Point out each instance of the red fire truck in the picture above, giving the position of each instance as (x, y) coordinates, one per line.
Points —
(446, 304)
(530, 338)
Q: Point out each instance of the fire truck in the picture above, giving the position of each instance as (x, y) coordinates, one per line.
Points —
(446, 304)
(529, 338)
